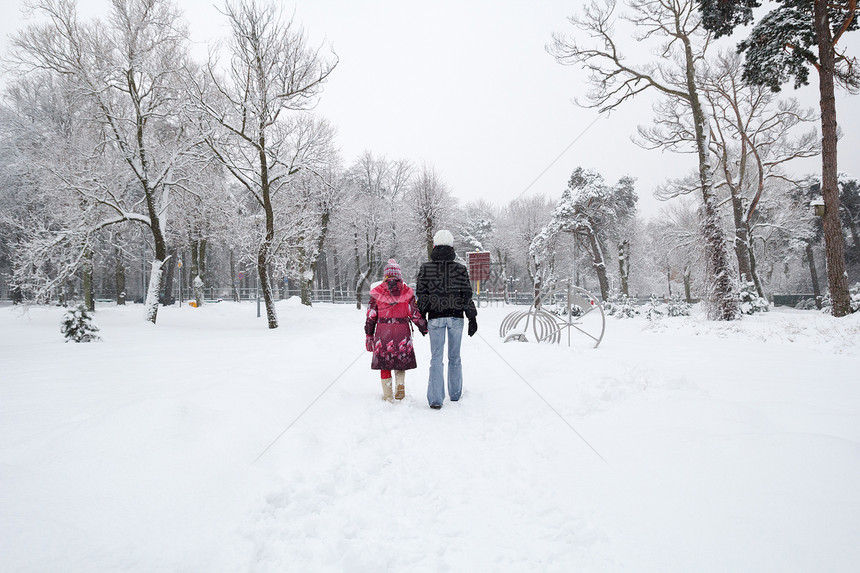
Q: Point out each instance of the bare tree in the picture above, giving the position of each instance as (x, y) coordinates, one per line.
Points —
(313, 196)
(126, 71)
(752, 137)
(521, 222)
(271, 71)
(682, 45)
(430, 203)
(678, 246)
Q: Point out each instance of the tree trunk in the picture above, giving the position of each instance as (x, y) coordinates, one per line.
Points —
(263, 276)
(198, 251)
(306, 281)
(89, 301)
(201, 263)
(669, 279)
(266, 244)
(538, 285)
(721, 296)
(813, 273)
(233, 277)
(852, 226)
(741, 241)
(361, 279)
(199, 294)
(151, 302)
(624, 265)
(120, 277)
(754, 271)
(338, 281)
(195, 268)
(598, 262)
(17, 295)
(503, 274)
(428, 236)
(306, 287)
(321, 272)
(834, 247)
(184, 282)
(357, 269)
(309, 263)
(167, 298)
(687, 285)
(361, 276)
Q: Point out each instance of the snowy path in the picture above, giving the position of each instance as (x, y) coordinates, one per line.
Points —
(729, 448)
(465, 488)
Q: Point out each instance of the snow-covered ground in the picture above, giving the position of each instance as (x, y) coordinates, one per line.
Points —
(682, 445)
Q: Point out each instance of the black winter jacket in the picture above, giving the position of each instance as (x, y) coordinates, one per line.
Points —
(443, 287)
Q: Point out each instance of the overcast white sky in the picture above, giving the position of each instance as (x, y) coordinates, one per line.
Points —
(467, 85)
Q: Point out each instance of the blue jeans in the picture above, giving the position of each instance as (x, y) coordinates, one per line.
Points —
(436, 387)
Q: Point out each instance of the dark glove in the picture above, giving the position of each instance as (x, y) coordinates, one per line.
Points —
(368, 343)
(473, 326)
(423, 331)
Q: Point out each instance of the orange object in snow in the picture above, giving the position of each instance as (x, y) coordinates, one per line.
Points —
(192, 303)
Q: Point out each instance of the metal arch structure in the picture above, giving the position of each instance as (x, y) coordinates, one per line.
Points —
(574, 310)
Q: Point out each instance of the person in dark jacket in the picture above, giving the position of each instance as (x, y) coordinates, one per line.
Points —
(388, 333)
(444, 297)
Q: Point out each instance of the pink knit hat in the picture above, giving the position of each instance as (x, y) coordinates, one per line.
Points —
(392, 269)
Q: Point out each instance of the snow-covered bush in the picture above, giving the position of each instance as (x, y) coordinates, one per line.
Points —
(620, 306)
(624, 308)
(751, 302)
(560, 309)
(806, 304)
(652, 308)
(678, 306)
(610, 304)
(854, 291)
(77, 325)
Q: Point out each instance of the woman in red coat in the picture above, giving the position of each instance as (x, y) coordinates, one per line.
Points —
(389, 334)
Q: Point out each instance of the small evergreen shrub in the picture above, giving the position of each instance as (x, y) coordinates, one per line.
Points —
(625, 308)
(806, 304)
(652, 308)
(751, 302)
(677, 306)
(560, 309)
(854, 290)
(77, 325)
(610, 305)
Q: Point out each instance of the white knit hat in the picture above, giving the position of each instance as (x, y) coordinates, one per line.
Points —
(443, 237)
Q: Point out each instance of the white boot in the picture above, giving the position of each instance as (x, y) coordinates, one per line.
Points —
(386, 390)
(400, 377)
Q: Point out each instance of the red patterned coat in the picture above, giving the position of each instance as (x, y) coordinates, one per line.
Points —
(392, 307)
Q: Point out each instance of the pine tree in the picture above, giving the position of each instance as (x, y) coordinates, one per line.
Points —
(677, 306)
(77, 325)
(652, 309)
(751, 302)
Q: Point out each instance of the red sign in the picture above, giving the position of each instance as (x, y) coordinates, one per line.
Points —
(479, 266)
